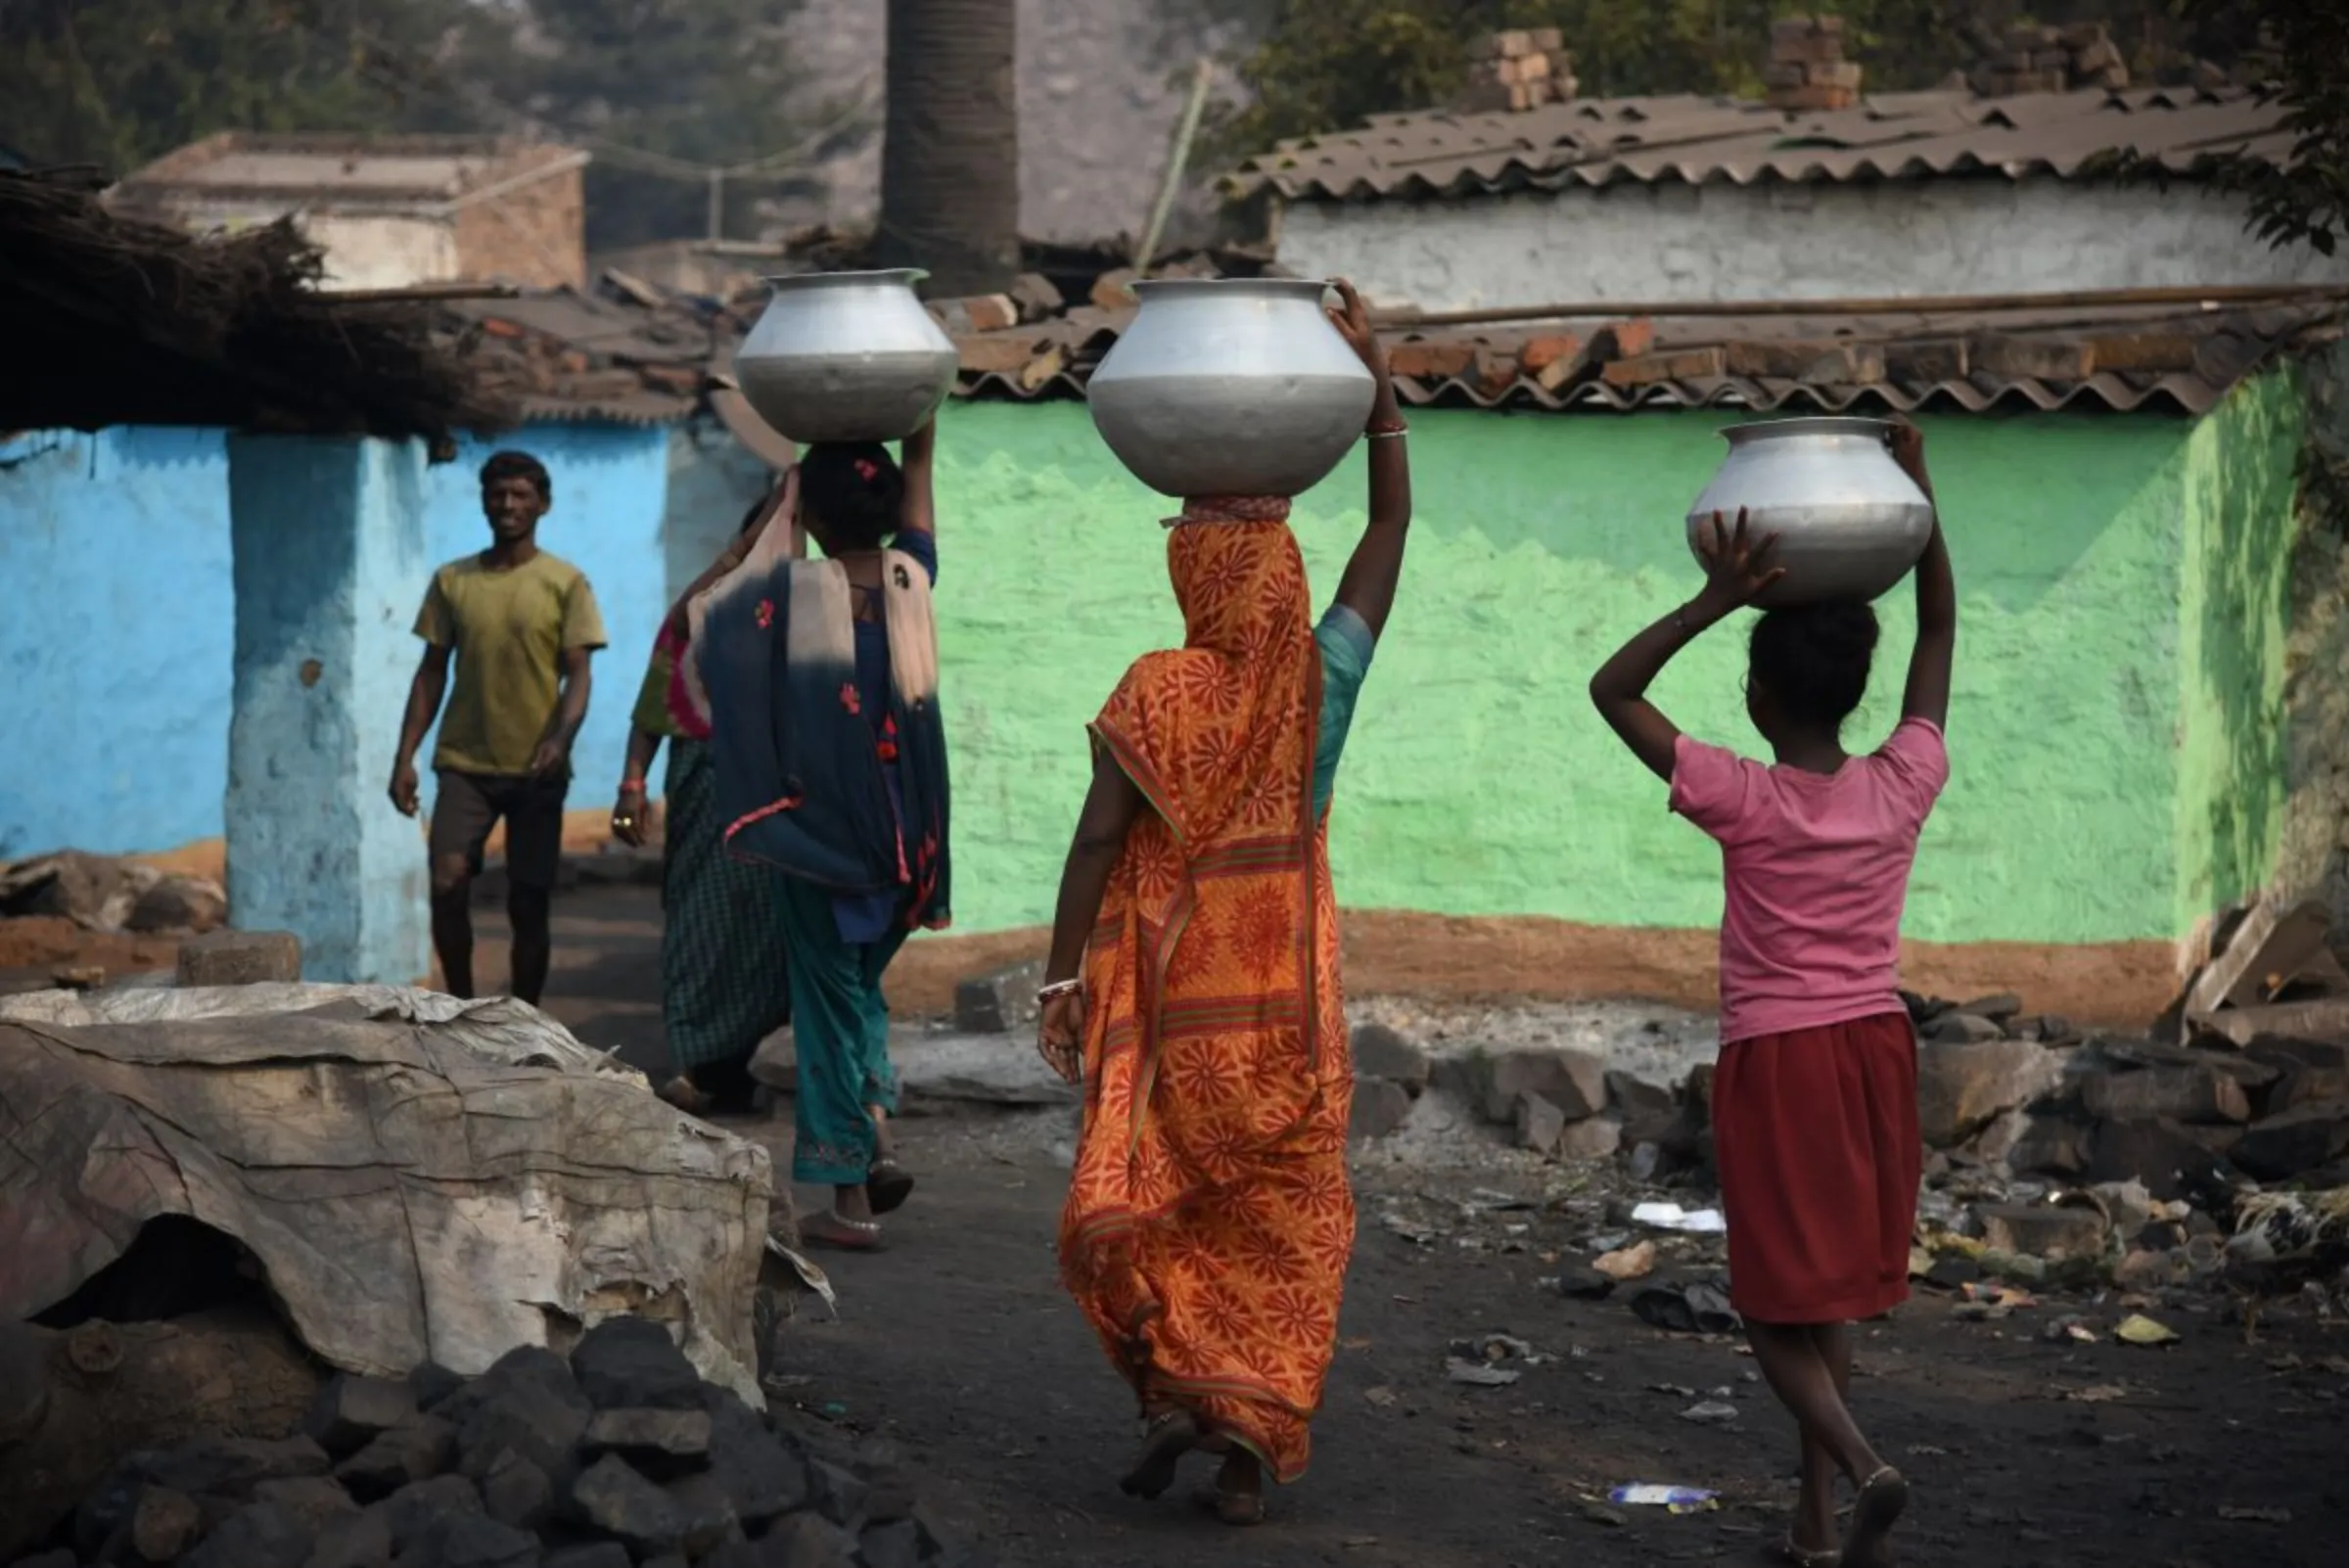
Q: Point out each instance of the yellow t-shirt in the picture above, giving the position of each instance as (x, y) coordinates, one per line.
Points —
(510, 629)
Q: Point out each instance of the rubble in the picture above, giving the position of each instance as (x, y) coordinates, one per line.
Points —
(2037, 59)
(108, 893)
(751, 1492)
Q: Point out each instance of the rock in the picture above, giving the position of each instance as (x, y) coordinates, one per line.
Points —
(164, 1524)
(896, 1544)
(1000, 1002)
(518, 1493)
(889, 1494)
(471, 1541)
(761, 1476)
(2309, 1071)
(804, 1541)
(600, 1554)
(1380, 1106)
(2001, 1008)
(2160, 1154)
(353, 1412)
(361, 1540)
(1955, 1028)
(730, 1554)
(2048, 1145)
(1573, 1080)
(610, 1497)
(417, 1452)
(1383, 1053)
(1037, 296)
(231, 1467)
(2177, 1093)
(655, 1437)
(705, 1517)
(1594, 1138)
(255, 1536)
(539, 1421)
(533, 1365)
(840, 1491)
(632, 1363)
(1961, 1087)
(1632, 1099)
(316, 1501)
(434, 1384)
(2047, 1230)
(239, 958)
(411, 1510)
(1539, 1124)
(2294, 1143)
(195, 904)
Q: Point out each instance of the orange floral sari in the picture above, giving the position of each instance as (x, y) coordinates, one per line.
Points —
(1209, 1222)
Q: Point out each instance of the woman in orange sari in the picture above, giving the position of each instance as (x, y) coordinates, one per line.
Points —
(1193, 987)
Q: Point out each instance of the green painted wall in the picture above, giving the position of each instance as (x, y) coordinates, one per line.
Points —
(2233, 611)
(1478, 781)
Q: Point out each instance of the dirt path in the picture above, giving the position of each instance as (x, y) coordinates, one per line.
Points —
(958, 1346)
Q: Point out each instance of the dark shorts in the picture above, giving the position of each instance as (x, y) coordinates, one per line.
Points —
(469, 805)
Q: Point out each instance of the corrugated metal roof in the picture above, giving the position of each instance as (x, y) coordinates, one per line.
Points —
(1602, 141)
(321, 170)
(2166, 359)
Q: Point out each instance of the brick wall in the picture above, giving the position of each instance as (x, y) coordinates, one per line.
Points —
(536, 235)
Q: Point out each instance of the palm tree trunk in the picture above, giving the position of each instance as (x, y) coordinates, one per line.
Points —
(950, 164)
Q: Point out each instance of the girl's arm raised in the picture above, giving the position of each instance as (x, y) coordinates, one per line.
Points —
(1927, 696)
(1375, 568)
(1734, 572)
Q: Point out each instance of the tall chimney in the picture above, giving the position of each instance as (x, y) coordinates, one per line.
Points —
(1807, 70)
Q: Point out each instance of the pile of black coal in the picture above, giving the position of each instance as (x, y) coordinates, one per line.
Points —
(619, 1457)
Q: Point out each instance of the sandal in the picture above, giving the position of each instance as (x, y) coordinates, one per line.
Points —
(1808, 1556)
(887, 1186)
(1882, 1498)
(837, 1234)
(1169, 1435)
(1240, 1508)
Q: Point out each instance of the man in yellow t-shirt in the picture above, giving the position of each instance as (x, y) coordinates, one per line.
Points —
(521, 625)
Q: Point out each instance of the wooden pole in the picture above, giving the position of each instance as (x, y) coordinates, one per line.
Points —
(2210, 297)
(421, 290)
(1170, 187)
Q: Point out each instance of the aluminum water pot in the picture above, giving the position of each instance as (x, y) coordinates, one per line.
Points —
(1850, 522)
(1231, 386)
(846, 356)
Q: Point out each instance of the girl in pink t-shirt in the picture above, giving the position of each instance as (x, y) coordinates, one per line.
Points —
(1814, 1098)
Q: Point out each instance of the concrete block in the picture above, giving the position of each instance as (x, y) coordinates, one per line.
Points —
(241, 958)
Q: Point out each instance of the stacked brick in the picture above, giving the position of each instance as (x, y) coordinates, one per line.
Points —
(1515, 71)
(2053, 60)
(1807, 71)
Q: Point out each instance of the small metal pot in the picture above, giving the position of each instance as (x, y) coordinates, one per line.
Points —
(1231, 386)
(1850, 522)
(846, 356)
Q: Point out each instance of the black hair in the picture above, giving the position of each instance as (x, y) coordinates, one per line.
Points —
(1813, 660)
(518, 465)
(854, 490)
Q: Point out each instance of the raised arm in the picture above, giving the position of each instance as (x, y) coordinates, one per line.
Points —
(1375, 568)
(1111, 806)
(915, 460)
(1736, 569)
(1927, 695)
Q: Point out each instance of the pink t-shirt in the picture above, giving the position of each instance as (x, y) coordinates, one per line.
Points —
(1815, 871)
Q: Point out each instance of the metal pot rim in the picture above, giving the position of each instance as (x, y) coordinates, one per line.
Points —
(1276, 288)
(781, 281)
(1810, 425)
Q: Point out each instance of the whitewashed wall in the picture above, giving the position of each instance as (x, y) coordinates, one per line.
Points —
(387, 251)
(1726, 241)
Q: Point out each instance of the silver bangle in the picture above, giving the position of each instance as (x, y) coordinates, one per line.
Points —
(1058, 987)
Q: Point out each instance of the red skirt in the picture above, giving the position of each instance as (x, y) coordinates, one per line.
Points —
(1815, 1134)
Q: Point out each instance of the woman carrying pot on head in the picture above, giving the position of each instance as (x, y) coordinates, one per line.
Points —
(1193, 987)
(724, 982)
(821, 676)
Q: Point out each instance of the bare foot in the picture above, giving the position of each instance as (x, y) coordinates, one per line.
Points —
(1237, 1497)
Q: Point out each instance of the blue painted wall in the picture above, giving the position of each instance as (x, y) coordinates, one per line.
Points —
(115, 662)
(115, 645)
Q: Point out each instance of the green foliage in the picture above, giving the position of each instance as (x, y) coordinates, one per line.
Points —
(2304, 198)
(120, 82)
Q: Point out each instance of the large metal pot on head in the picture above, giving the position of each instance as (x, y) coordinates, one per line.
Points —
(1850, 522)
(846, 356)
(1231, 386)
